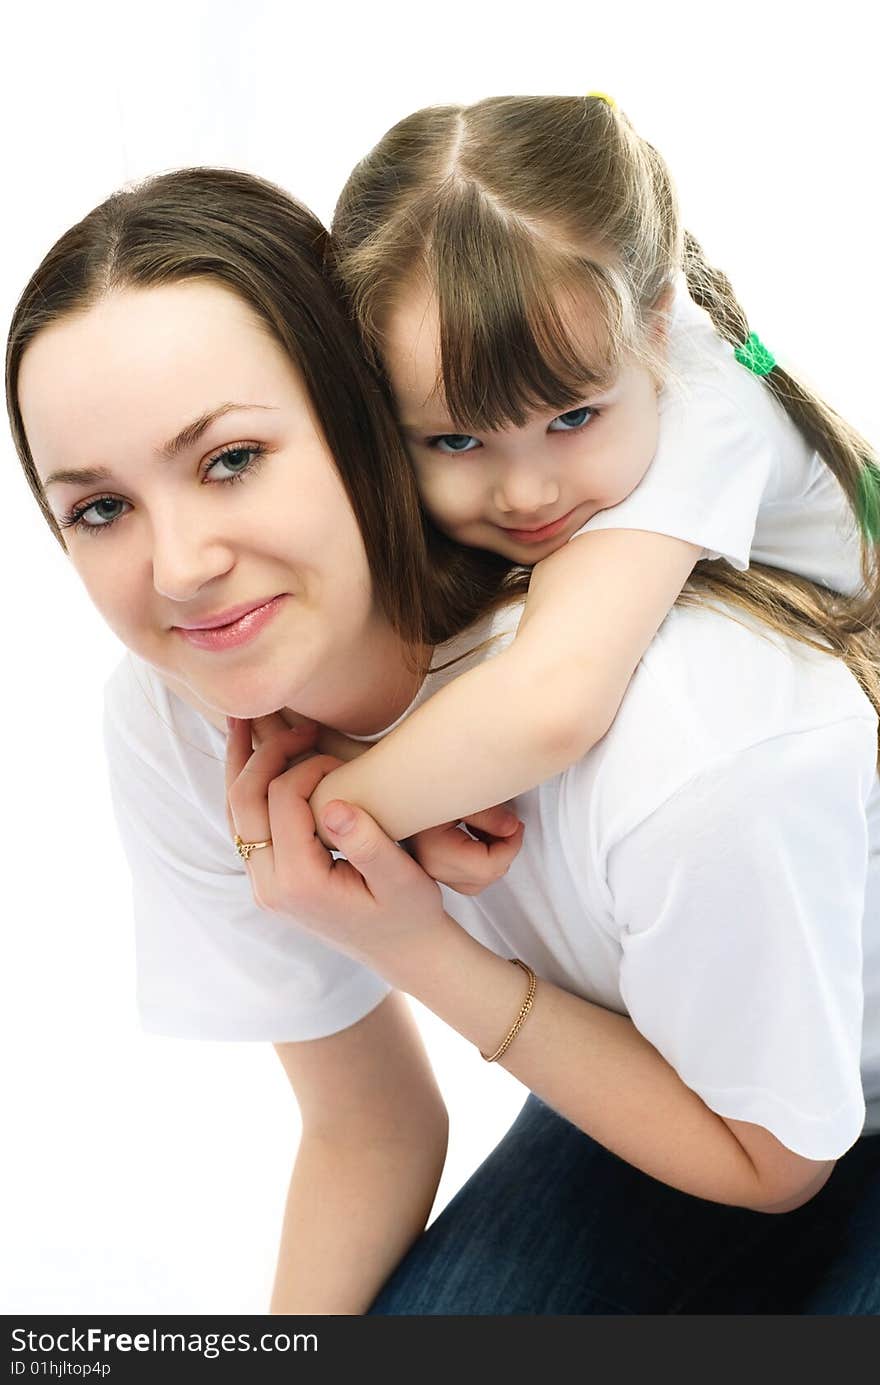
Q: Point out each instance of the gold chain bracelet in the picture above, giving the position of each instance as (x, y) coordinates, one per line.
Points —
(521, 1017)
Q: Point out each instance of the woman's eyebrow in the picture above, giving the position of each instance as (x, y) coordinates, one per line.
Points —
(190, 434)
(186, 438)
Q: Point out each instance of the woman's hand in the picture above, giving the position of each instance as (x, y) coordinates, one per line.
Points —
(369, 905)
(468, 863)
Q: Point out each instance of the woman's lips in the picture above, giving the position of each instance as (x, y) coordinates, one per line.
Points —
(548, 531)
(237, 632)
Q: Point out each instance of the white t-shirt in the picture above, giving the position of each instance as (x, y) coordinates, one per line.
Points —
(711, 868)
(731, 472)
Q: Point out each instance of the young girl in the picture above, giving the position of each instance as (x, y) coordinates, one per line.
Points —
(579, 392)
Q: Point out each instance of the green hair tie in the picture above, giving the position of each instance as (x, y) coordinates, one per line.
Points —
(868, 501)
(754, 355)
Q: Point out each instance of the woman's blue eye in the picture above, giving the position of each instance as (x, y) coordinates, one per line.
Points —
(454, 442)
(235, 460)
(104, 511)
(238, 463)
(572, 420)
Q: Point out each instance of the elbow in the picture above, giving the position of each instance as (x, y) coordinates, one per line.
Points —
(568, 731)
(779, 1200)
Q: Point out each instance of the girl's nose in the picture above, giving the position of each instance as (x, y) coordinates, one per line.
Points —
(523, 491)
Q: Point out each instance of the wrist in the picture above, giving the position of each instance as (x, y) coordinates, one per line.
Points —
(467, 985)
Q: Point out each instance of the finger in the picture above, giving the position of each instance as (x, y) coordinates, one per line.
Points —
(264, 728)
(238, 751)
(385, 866)
(499, 821)
(500, 854)
(300, 856)
(469, 866)
(238, 748)
(247, 793)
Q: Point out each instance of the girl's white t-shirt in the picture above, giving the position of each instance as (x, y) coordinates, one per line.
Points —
(711, 869)
(731, 473)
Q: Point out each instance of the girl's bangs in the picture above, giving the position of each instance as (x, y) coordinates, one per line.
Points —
(525, 325)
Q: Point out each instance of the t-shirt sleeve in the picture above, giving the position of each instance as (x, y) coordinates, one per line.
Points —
(210, 963)
(708, 478)
(740, 903)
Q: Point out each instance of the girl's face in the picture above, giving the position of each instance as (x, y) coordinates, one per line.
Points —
(521, 492)
(198, 500)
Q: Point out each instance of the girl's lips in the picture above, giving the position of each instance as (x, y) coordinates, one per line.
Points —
(237, 632)
(548, 531)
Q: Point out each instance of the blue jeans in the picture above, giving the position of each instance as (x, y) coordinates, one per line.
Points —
(553, 1223)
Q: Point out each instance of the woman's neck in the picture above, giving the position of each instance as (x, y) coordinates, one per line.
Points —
(369, 686)
(372, 688)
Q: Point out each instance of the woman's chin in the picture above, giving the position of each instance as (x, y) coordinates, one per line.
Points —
(249, 703)
(219, 699)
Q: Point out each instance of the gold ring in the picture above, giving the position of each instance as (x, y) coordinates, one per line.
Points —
(244, 849)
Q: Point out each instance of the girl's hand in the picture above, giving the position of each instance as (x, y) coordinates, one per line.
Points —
(367, 906)
(466, 863)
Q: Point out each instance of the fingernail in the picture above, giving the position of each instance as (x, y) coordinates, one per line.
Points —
(338, 818)
(509, 822)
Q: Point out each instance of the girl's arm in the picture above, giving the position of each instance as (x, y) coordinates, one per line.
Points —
(593, 608)
(369, 1160)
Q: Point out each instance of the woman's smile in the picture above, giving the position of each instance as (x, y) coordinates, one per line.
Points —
(229, 630)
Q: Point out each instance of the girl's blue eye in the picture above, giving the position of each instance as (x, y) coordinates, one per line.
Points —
(571, 421)
(453, 442)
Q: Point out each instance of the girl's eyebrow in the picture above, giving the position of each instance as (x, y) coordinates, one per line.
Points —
(186, 438)
(421, 429)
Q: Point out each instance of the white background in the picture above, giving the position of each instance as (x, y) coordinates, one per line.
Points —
(148, 1175)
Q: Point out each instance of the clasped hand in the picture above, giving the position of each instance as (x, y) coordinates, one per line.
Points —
(380, 894)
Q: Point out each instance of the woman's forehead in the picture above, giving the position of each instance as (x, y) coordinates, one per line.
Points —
(136, 367)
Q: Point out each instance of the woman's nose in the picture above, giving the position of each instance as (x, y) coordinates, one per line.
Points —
(186, 557)
(524, 491)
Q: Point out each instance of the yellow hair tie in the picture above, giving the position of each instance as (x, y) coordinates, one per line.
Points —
(603, 96)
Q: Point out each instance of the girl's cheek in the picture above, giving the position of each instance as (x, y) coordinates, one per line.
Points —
(438, 497)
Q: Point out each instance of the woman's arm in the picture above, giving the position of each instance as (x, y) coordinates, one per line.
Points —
(520, 718)
(369, 1160)
(594, 1067)
(590, 1064)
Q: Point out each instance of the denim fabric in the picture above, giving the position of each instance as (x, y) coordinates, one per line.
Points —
(553, 1223)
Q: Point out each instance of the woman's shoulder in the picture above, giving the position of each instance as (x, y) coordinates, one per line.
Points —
(715, 686)
(736, 681)
(155, 722)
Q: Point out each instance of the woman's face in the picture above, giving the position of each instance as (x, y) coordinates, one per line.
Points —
(197, 497)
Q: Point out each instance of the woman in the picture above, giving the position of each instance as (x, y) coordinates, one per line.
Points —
(690, 897)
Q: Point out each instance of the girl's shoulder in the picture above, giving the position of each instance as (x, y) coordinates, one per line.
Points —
(702, 369)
